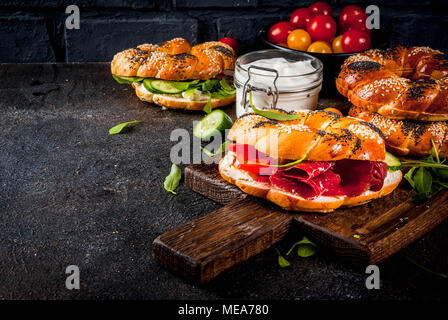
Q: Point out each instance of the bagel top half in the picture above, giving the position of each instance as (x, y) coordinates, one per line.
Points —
(314, 136)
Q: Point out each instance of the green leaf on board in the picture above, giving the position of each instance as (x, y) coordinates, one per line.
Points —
(119, 127)
(172, 180)
(271, 114)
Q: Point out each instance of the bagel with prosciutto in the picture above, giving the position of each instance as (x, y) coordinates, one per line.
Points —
(317, 162)
(177, 75)
(404, 83)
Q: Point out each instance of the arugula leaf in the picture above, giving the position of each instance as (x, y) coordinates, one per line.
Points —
(423, 181)
(208, 106)
(271, 114)
(305, 249)
(172, 180)
(408, 176)
(290, 164)
(443, 184)
(420, 175)
(434, 148)
(207, 152)
(427, 269)
(209, 85)
(230, 89)
(220, 150)
(282, 261)
(119, 127)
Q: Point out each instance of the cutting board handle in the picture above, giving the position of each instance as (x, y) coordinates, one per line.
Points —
(205, 247)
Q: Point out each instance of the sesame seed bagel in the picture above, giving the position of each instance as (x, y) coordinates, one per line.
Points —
(175, 60)
(316, 136)
(407, 137)
(398, 83)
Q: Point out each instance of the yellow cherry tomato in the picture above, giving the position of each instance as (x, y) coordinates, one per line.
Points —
(283, 44)
(319, 47)
(299, 39)
(337, 44)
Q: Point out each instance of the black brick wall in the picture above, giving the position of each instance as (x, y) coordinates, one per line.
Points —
(34, 30)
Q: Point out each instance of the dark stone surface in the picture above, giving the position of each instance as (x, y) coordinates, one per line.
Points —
(420, 29)
(109, 26)
(107, 37)
(25, 40)
(70, 193)
(214, 3)
(80, 3)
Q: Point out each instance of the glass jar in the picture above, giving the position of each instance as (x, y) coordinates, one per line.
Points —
(277, 79)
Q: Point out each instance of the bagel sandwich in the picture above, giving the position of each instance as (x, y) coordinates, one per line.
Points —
(317, 162)
(177, 75)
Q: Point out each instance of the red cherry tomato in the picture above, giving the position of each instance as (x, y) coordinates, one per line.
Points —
(301, 17)
(322, 28)
(355, 25)
(321, 7)
(351, 14)
(231, 42)
(279, 32)
(355, 40)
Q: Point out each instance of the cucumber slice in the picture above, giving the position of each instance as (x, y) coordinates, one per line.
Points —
(392, 162)
(212, 123)
(166, 86)
(147, 85)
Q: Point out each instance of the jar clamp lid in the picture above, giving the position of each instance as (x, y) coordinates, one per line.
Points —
(248, 88)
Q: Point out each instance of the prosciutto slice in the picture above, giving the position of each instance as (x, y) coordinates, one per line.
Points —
(341, 178)
(311, 179)
(311, 188)
(307, 169)
(358, 176)
(378, 175)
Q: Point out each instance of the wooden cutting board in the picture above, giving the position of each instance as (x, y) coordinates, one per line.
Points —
(245, 226)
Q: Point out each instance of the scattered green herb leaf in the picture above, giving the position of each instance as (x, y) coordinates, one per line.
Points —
(282, 261)
(271, 114)
(305, 249)
(172, 180)
(119, 127)
(427, 269)
(356, 236)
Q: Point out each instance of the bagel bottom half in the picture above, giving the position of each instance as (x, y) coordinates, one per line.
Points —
(293, 202)
(176, 101)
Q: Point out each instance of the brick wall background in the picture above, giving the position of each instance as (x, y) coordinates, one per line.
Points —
(34, 30)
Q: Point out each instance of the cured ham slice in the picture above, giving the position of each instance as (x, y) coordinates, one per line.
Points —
(311, 179)
(307, 169)
(323, 183)
(358, 176)
(378, 176)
